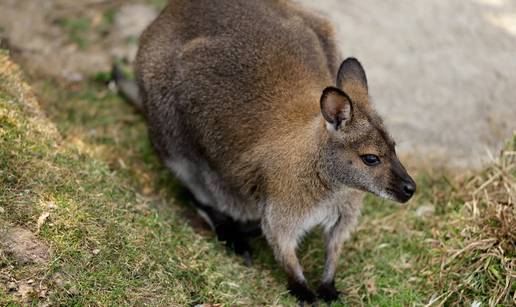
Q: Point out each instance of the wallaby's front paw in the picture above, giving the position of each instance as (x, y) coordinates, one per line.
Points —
(328, 292)
(301, 292)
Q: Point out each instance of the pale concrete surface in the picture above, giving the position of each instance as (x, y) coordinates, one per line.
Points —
(442, 72)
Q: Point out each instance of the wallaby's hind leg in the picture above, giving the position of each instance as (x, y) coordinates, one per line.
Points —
(235, 234)
(229, 231)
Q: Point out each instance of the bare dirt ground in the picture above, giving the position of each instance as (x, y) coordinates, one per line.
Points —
(72, 39)
(443, 73)
(23, 245)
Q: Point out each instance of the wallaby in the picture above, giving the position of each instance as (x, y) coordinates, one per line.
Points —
(243, 107)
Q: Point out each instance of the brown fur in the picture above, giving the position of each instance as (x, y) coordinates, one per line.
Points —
(232, 93)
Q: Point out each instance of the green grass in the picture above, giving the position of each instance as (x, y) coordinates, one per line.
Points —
(111, 243)
(158, 4)
(77, 29)
(95, 108)
(119, 232)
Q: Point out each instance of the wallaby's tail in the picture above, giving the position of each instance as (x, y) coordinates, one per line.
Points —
(127, 87)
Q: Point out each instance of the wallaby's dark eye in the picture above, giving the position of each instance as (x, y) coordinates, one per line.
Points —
(370, 160)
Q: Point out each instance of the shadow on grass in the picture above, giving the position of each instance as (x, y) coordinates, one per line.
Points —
(98, 121)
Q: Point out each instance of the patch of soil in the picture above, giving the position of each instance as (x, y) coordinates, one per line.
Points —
(70, 40)
(23, 246)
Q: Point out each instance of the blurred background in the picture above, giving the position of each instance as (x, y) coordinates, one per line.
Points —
(89, 215)
(443, 73)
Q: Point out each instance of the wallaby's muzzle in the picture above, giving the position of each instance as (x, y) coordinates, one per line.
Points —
(409, 188)
(403, 186)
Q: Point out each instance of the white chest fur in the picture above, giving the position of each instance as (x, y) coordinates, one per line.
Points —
(344, 204)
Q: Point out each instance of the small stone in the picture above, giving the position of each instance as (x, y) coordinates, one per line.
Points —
(42, 294)
(25, 291)
(73, 291)
(425, 210)
(95, 251)
(12, 286)
(72, 76)
(58, 279)
(476, 304)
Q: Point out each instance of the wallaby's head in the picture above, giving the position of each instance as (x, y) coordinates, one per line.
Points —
(357, 151)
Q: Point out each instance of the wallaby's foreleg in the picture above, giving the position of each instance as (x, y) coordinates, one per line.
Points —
(335, 236)
(283, 240)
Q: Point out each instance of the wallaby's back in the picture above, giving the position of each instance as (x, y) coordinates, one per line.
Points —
(222, 74)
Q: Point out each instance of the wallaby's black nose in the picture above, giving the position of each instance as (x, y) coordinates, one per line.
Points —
(409, 188)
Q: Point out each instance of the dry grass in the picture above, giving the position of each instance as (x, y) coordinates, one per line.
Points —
(478, 258)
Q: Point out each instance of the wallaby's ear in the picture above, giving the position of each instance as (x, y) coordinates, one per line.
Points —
(351, 71)
(335, 107)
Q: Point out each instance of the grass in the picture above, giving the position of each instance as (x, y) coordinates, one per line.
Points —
(111, 241)
(479, 255)
(77, 28)
(119, 233)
